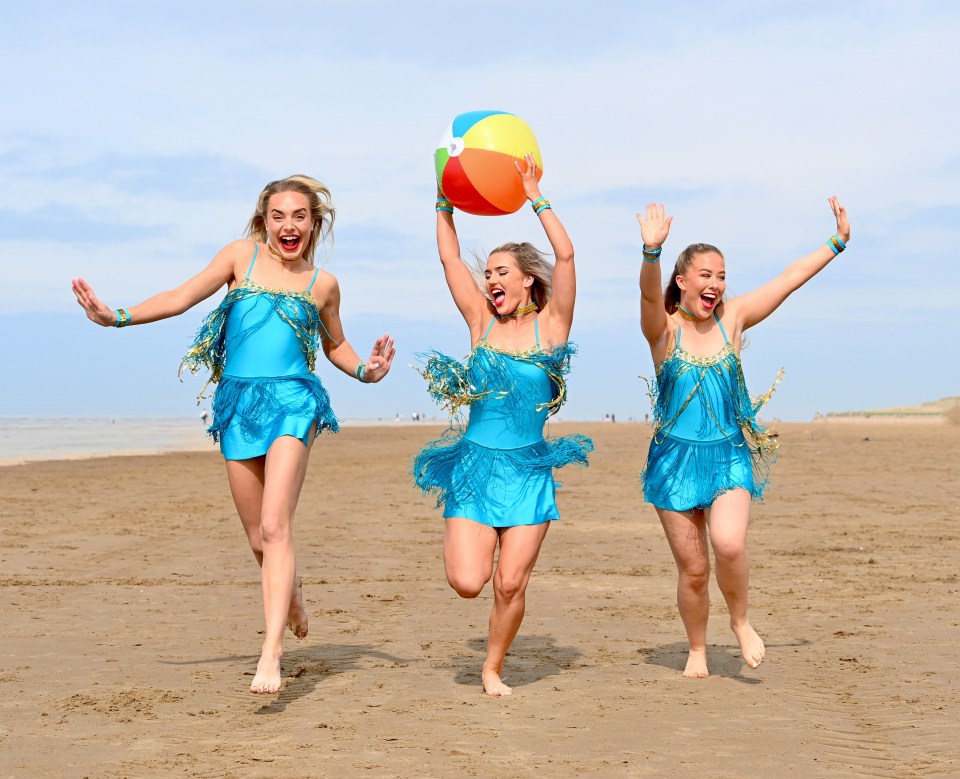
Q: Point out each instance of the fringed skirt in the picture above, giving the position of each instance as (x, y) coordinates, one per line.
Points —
(682, 475)
(249, 414)
(497, 487)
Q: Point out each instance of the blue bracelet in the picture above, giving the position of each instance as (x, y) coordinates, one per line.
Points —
(539, 205)
(359, 372)
(651, 255)
(836, 245)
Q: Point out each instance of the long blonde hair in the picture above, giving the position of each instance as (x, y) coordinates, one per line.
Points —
(532, 262)
(321, 209)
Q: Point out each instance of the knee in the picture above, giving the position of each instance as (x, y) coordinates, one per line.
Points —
(466, 585)
(696, 578)
(508, 587)
(728, 550)
(274, 529)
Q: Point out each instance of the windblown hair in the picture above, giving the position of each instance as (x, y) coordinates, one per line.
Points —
(671, 293)
(532, 262)
(321, 209)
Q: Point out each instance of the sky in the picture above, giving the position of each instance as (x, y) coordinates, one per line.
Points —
(137, 136)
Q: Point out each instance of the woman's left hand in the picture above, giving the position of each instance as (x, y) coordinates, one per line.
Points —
(843, 226)
(380, 360)
(528, 177)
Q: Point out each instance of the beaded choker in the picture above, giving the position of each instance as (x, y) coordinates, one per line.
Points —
(277, 256)
(528, 309)
(687, 315)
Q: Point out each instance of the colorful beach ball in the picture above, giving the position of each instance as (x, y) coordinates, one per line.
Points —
(474, 162)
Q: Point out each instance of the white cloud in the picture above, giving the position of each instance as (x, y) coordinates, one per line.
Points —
(149, 130)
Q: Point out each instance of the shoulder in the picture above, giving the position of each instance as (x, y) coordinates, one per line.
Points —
(326, 289)
(553, 329)
(242, 247)
(238, 252)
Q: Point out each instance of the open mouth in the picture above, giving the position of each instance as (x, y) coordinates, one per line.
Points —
(290, 243)
(709, 300)
(498, 296)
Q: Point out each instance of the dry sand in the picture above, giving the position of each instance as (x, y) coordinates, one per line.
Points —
(131, 610)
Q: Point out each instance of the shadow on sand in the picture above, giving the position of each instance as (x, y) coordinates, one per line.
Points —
(530, 659)
(303, 668)
(724, 661)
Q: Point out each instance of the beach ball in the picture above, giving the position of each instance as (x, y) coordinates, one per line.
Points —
(474, 162)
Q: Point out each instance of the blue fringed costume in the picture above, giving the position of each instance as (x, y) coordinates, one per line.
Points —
(706, 437)
(260, 347)
(499, 471)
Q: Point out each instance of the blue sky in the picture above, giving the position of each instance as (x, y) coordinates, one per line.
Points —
(136, 137)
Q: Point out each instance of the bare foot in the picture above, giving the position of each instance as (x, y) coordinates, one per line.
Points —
(696, 664)
(751, 645)
(267, 678)
(493, 684)
(297, 616)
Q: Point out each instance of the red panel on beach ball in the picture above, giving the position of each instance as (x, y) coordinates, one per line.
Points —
(475, 162)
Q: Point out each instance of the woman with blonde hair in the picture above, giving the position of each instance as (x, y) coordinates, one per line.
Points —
(260, 347)
(495, 479)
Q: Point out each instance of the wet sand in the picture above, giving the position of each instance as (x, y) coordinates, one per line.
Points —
(131, 610)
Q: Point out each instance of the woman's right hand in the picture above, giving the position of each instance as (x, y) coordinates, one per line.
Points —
(97, 311)
(653, 227)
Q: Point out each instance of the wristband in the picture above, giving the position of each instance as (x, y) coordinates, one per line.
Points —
(540, 205)
(836, 245)
(123, 318)
(651, 255)
(444, 205)
(359, 372)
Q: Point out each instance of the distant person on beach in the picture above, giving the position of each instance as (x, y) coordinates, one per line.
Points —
(709, 455)
(260, 346)
(495, 479)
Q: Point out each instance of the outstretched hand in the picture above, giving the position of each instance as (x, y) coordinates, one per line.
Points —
(97, 311)
(843, 226)
(528, 177)
(380, 360)
(653, 227)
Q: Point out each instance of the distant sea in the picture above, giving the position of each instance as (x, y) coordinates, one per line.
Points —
(30, 439)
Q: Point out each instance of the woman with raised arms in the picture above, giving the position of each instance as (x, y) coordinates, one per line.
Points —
(495, 479)
(709, 456)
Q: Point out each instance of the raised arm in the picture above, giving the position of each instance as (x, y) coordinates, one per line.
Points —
(471, 302)
(219, 272)
(753, 307)
(564, 293)
(654, 229)
(336, 347)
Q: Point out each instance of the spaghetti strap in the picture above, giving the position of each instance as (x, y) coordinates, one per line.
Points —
(315, 273)
(256, 248)
(489, 328)
(536, 330)
(727, 340)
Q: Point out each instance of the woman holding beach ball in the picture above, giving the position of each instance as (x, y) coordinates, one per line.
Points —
(494, 479)
(709, 456)
(260, 346)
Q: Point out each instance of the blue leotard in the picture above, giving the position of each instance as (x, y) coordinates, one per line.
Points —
(260, 346)
(706, 437)
(499, 471)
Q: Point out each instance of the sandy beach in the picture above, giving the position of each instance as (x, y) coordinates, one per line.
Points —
(131, 611)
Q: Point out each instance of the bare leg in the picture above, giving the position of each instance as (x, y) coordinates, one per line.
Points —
(519, 549)
(284, 468)
(728, 519)
(468, 550)
(686, 534)
(246, 485)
